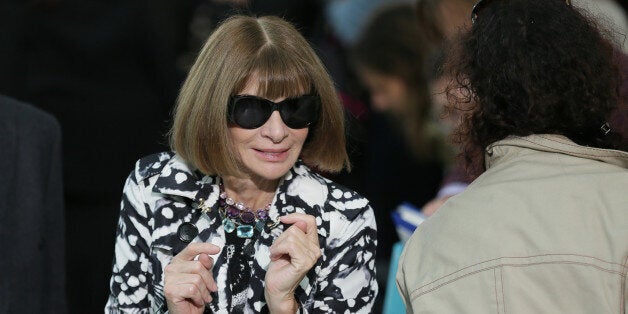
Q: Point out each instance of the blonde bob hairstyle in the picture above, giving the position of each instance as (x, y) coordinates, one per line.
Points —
(271, 51)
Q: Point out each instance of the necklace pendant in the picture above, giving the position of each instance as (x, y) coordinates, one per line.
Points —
(228, 225)
(245, 231)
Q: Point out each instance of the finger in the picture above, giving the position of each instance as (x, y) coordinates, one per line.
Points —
(311, 229)
(301, 225)
(196, 295)
(294, 253)
(300, 253)
(186, 286)
(280, 242)
(191, 268)
(292, 231)
(296, 232)
(294, 242)
(193, 249)
(208, 263)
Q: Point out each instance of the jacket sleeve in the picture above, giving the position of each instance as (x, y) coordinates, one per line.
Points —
(131, 281)
(347, 281)
(401, 282)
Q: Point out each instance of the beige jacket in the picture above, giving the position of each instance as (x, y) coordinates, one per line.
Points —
(543, 230)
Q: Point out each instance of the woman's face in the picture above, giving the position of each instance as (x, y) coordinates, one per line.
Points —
(453, 16)
(388, 93)
(267, 152)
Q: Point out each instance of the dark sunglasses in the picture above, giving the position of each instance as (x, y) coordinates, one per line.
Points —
(481, 4)
(251, 112)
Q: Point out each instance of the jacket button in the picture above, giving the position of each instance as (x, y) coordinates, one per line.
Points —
(187, 232)
(489, 151)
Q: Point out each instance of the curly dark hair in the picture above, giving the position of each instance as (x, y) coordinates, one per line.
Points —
(533, 67)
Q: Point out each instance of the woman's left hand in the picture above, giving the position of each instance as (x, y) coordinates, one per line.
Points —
(292, 255)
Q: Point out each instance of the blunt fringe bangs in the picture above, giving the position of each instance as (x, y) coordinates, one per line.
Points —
(272, 52)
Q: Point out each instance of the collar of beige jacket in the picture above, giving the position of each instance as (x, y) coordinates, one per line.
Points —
(560, 144)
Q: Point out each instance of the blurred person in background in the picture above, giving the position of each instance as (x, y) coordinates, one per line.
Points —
(545, 227)
(31, 211)
(405, 151)
(405, 147)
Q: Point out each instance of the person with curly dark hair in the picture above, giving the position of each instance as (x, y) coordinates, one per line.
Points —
(443, 20)
(536, 81)
(545, 227)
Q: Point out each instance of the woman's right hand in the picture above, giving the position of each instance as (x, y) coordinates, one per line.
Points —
(188, 282)
(292, 255)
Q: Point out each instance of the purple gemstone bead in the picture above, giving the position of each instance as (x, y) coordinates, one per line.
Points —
(247, 217)
(232, 212)
(262, 214)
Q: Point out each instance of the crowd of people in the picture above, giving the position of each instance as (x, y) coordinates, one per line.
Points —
(268, 143)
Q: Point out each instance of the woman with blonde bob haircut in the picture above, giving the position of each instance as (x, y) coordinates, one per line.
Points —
(283, 64)
(234, 220)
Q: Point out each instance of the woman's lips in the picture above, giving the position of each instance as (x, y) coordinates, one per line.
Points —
(272, 155)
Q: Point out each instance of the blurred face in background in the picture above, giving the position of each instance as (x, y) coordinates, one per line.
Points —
(388, 93)
(453, 16)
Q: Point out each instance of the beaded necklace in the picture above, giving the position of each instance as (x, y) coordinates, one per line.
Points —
(239, 217)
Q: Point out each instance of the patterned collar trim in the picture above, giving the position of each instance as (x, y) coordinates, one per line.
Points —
(177, 179)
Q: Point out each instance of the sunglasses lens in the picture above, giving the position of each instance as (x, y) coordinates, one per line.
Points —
(250, 113)
(300, 112)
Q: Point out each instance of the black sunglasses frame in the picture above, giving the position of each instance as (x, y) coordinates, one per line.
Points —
(267, 107)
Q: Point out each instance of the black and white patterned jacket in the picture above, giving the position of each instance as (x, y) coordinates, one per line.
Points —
(163, 193)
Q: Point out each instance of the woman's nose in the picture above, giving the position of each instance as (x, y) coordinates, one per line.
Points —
(274, 128)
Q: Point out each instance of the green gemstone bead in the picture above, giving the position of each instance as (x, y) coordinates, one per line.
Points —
(245, 231)
(228, 225)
